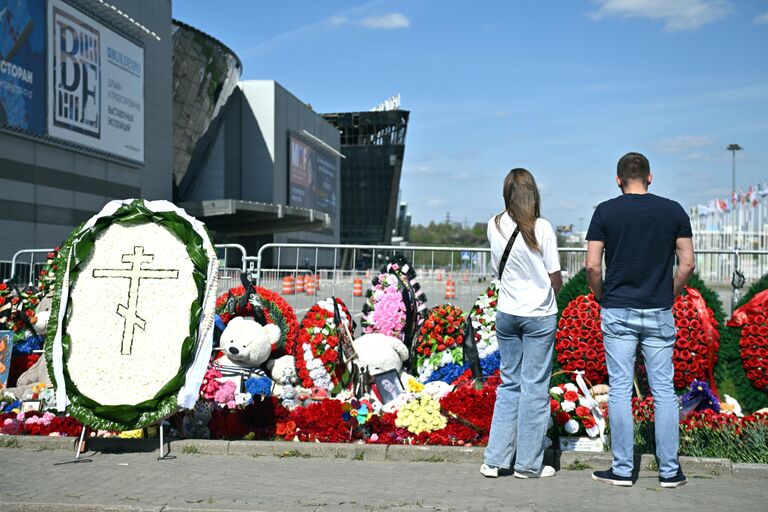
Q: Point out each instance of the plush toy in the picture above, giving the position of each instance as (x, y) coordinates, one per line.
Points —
(246, 343)
(283, 372)
(378, 353)
(42, 314)
(196, 420)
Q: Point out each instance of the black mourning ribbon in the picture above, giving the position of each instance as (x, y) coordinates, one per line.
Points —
(251, 296)
(469, 349)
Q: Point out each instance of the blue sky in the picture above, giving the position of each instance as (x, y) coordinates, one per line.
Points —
(562, 87)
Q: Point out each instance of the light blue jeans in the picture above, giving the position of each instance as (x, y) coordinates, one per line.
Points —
(654, 329)
(521, 413)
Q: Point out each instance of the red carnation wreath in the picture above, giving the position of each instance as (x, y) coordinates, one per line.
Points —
(579, 339)
(276, 310)
(318, 353)
(752, 319)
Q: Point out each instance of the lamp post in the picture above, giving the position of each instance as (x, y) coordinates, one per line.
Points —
(733, 148)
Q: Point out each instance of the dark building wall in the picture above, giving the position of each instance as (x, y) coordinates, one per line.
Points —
(374, 145)
(47, 189)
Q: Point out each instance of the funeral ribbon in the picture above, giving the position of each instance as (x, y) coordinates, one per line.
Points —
(591, 404)
(709, 324)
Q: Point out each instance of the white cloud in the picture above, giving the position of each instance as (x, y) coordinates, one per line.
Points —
(677, 15)
(761, 19)
(435, 203)
(337, 21)
(390, 21)
(683, 143)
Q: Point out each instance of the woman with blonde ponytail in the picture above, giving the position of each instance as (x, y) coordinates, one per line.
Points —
(528, 268)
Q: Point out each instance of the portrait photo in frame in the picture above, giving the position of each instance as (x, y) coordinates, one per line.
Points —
(388, 385)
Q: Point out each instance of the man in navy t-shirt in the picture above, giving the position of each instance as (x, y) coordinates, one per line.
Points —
(640, 234)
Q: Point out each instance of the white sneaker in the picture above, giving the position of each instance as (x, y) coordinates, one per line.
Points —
(544, 472)
(489, 471)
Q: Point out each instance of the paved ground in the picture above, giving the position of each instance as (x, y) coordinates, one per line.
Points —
(34, 480)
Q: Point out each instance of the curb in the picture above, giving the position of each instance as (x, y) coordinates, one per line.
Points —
(370, 452)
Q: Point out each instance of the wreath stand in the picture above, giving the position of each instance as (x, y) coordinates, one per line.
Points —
(81, 445)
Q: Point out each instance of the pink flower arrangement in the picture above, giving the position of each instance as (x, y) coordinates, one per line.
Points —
(389, 314)
(210, 385)
(226, 394)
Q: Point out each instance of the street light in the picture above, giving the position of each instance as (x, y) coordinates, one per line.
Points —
(733, 148)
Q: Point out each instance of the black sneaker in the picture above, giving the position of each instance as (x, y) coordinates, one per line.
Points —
(609, 477)
(673, 481)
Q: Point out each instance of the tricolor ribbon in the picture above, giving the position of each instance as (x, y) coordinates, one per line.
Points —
(709, 324)
(591, 403)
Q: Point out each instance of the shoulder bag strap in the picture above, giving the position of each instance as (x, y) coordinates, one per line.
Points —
(507, 249)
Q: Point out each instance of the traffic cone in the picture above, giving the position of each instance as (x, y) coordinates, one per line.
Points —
(300, 283)
(309, 285)
(357, 291)
(450, 289)
(289, 287)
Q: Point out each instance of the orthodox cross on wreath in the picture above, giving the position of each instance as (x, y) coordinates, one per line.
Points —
(134, 275)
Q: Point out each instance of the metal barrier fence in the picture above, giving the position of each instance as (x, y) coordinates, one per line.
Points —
(469, 269)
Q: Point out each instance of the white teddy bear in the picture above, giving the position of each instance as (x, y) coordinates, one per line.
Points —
(283, 371)
(246, 343)
(380, 353)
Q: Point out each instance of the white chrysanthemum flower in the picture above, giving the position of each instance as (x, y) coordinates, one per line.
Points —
(586, 401)
(569, 386)
(568, 406)
(571, 426)
(556, 390)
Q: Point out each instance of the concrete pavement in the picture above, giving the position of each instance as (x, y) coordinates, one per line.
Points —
(297, 477)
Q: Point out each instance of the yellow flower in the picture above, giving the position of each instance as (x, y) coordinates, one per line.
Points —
(132, 434)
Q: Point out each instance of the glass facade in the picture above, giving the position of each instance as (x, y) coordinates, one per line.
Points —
(373, 144)
(205, 72)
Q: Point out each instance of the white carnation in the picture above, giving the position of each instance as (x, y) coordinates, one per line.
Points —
(568, 406)
(556, 390)
(571, 426)
(571, 387)
(594, 431)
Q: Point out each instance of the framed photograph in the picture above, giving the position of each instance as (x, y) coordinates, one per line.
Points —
(345, 340)
(31, 405)
(6, 349)
(388, 385)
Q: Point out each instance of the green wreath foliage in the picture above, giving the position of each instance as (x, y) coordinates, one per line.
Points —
(730, 364)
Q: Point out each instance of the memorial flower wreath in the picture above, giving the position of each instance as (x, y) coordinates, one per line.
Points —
(75, 257)
(745, 347)
(395, 304)
(483, 317)
(275, 309)
(579, 338)
(440, 341)
(319, 358)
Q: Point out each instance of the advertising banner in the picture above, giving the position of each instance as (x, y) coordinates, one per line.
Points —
(312, 177)
(95, 84)
(22, 65)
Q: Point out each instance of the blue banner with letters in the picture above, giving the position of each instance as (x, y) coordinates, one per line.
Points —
(22, 65)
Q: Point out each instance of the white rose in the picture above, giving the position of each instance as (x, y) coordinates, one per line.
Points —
(571, 426)
(555, 390)
(568, 406)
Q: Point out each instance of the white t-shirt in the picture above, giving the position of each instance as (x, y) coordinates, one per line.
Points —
(526, 289)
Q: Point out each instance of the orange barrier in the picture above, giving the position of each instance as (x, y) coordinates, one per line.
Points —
(300, 283)
(439, 275)
(317, 281)
(450, 289)
(357, 291)
(289, 285)
(309, 285)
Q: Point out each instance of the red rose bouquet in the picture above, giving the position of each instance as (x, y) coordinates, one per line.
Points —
(570, 411)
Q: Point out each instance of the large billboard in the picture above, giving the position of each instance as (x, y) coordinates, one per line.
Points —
(22, 65)
(311, 177)
(95, 84)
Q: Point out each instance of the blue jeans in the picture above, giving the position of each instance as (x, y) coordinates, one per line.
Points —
(654, 329)
(521, 413)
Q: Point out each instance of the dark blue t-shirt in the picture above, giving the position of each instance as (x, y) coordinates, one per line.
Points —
(639, 232)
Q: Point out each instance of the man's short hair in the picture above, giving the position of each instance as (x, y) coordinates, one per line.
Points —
(633, 167)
